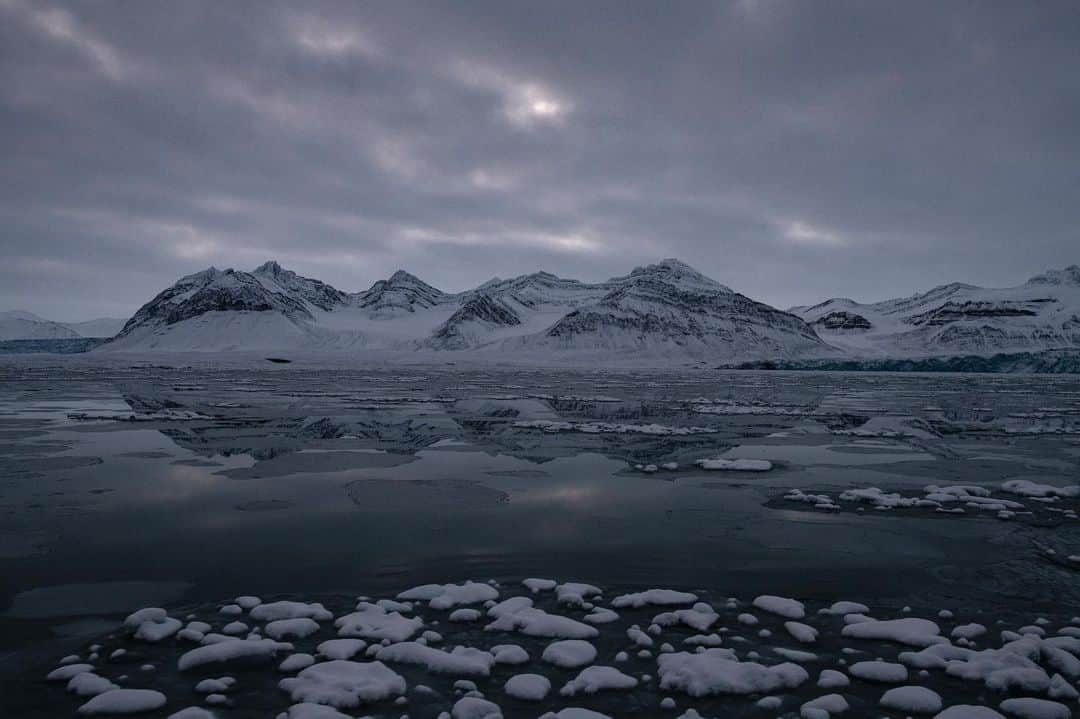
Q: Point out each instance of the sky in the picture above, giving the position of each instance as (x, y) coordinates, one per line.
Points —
(793, 151)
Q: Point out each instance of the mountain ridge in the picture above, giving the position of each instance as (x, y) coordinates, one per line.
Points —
(667, 308)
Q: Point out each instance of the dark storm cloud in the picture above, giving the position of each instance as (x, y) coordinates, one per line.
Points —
(793, 151)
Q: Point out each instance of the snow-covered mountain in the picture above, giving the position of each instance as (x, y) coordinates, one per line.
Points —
(663, 309)
(955, 319)
(671, 307)
(20, 325)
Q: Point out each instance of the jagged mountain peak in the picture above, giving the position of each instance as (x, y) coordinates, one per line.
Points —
(675, 271)
(401, 277)
(401, 292)
(270, 267)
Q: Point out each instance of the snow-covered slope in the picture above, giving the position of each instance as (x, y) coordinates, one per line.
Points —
(671, 308)
(217, 309)
(663, 309)
(401, 293)
(20, 325)
(954, 319)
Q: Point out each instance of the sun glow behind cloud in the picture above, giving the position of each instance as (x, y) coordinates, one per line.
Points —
(804, 233)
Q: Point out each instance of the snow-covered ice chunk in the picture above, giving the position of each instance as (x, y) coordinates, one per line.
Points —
(569, 653)
(769, 703)
(601, 615)
(912, 631)
(699, 617)
(193, 713)
(475, 708)
(718, 671)
(575, 593)
(656, 597)
(968, 631)
(639, 637)
(155, 630)
(802, 632)
(574, 713)
(305, 710)
(529, 687)
(147, 614)
(465, 614)
(448, 596)
(462, 661)
(291, 628)
(789, 608)
(89, 684)
(824, 707)
(1031, 708)
(341, 648)
(795, 655)
(344, 684)
(290, 610)
(66, 672)
(538, 623)
(370, 621)
(247, 602)
(229, 649)
(598, 678)
(886, 672)
(844, 607)
(1027, 488)
(968, 711)
(509, 654)
(536, 585)
(215, 686)
(832, 679)
(296, 662)
(916, 700)
(124, 701)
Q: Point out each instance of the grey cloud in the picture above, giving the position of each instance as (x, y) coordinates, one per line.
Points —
(793, 151)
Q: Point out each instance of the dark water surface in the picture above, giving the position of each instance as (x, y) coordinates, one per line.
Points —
(129, 486)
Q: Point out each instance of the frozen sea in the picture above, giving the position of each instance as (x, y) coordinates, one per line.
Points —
(125, 485)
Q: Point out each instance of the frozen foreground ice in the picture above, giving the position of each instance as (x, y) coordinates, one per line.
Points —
(191, 539)
(543, 648)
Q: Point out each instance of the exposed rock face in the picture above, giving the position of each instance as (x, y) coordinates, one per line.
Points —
(953, 311)
(401, 293)
(1043, 313)
(479, 315)
(670, 305)
(841, 320)
(214, 290)
(316, 293)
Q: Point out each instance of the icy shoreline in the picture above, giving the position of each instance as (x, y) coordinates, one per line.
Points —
(572, 650)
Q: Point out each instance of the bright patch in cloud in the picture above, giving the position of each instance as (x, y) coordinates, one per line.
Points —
(525, 103)
(807, 234)
(569, 242)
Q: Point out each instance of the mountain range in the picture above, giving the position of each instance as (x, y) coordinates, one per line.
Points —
(664, 310)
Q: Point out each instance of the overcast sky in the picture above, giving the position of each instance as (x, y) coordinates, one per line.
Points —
(791, 150)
